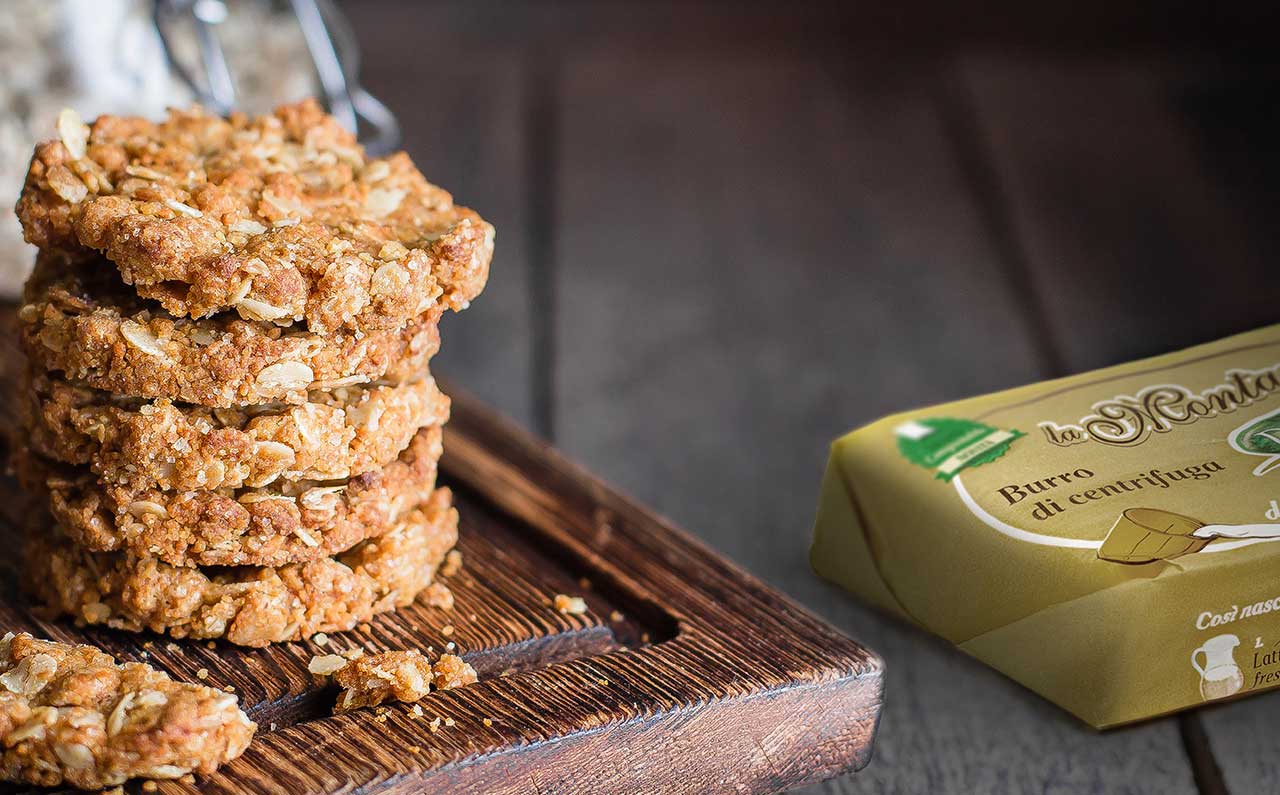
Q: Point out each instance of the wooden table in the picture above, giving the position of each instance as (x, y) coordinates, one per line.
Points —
(723, 241)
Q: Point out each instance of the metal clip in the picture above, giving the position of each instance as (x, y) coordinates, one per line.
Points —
(334, 55)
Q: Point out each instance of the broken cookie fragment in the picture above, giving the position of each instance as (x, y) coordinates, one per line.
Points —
(390, 676)
(569, 605)
(451, 671)
(71, 716)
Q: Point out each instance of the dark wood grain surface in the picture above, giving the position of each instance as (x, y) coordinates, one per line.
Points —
(739, 232)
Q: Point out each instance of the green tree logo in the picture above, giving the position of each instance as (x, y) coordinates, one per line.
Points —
(1260, 436)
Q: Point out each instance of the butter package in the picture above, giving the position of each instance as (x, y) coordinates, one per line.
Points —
(1108, 540)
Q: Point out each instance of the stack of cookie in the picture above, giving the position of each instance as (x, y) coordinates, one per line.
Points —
(229, 413)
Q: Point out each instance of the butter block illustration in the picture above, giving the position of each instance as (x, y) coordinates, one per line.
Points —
(1145, 535)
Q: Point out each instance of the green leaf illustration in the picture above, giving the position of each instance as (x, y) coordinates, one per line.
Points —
(1262, 437)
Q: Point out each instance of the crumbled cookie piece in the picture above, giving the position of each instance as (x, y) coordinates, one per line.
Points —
(249, 606)
(280, 217)
(439, 595)
(376, 678)
(395, 676)
(81, 321)
(142, 444)
(570, 605)
(452, 564)
(69, 715)
(272, 526)
(451, 671)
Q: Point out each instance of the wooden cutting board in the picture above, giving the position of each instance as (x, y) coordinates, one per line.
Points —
(686, 675)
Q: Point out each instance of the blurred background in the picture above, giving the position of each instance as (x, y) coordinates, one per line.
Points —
(729, 232)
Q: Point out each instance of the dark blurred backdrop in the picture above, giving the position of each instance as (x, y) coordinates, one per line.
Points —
(728, 232)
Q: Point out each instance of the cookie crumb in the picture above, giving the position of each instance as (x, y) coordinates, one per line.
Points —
(451, 671)
(452, 563)
(202, 674)
(488, 722)
(616, 616)
(446, 630)
(439, 595)
(320, 639)
(570, 605)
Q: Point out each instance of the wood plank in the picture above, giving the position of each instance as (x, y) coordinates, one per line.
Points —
(1136, 239)
(679, 652)
(1143, 194)
(756, 252)
(464, 114)
(906, 25)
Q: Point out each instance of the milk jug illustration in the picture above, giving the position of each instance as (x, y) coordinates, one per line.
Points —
(1219, 675)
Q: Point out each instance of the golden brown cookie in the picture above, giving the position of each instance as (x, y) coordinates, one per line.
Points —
(157, 444)
(249, 606)
(82, 321)
(281, 217)
(269, 526)
(69, 715)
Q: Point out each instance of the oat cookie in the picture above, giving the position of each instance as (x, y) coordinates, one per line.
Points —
(157, 444)
(281, 217)
(70, 715)
(271, 526)
(371, 679)
(82, 321)
(249, 606)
